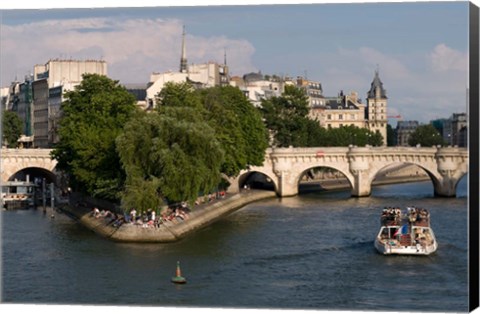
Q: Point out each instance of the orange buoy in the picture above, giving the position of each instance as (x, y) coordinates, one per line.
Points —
(178, 276)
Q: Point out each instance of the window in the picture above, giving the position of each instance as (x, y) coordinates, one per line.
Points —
(329, 117)
(340, 117)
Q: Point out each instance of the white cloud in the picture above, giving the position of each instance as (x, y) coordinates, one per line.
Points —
(444, 58)
(132, 48)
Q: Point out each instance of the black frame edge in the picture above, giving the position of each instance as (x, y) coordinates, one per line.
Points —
(473, 170)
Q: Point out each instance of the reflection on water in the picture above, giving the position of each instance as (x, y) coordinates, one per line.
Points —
(313, 251)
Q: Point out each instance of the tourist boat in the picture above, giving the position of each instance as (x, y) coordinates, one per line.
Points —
(408, 234)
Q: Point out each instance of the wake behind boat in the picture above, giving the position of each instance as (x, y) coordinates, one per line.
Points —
(408, 234)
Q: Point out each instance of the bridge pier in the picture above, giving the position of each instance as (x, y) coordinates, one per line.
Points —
(445, 188)
(361, 186)
(287, 184)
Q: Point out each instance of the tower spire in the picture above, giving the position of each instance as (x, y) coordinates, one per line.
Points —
(183, 58)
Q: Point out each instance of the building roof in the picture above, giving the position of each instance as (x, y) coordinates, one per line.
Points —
(137, 90)
(339, 104)
(253, 77)
(376, 83)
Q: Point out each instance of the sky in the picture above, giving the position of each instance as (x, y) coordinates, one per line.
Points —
(419, 48)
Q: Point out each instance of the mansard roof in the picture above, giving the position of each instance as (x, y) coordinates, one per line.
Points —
(339, 103)
(376, 83)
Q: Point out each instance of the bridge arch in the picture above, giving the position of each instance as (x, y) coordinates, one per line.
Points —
(14, 161)
(346, 174)
(245, 177)
(32, 174)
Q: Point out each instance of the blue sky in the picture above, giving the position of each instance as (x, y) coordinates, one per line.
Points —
(421, 49)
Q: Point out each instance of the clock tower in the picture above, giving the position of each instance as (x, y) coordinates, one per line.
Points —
(377, 108)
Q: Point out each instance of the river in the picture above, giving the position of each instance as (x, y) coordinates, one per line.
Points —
(313, 251)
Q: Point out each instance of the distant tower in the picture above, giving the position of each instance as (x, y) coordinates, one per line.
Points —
(183, 59)
(377, 108)
(224, 56)
(223, 71)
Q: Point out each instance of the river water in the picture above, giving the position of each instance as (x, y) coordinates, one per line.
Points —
(313, 251)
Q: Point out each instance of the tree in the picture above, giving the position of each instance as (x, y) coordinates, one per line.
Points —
(353, 135)
(390, 136)
(426, 135)
(170, 154)
(238, 127)
(12, 128)
(286, 117)
(94, 114)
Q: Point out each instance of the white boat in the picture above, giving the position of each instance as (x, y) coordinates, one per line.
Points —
(408, 234)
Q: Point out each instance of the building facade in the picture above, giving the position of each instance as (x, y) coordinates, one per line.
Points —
(58, 72)
(403, 131)
(37, 100)
(343, 110)
(40, 92)
(256, 86)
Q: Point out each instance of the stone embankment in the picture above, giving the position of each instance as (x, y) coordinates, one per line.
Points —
(168, 231)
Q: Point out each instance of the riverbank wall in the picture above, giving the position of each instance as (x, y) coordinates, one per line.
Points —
(168, 231)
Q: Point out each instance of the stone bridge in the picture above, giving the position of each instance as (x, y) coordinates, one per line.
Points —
(14, 160)
(286, 166)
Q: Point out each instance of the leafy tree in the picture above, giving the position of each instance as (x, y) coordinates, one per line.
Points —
(170, 154)
(390, 136)
(286, 117)
(426, 135)
(94, 114)
(12, 128)
(238, 127)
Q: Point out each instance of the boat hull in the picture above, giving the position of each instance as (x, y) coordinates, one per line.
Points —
(389, 249)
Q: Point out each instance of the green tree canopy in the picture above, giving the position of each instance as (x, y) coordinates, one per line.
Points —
(286, 117)
(12, 128)
(352, 135)
(426, 135)
(238, 127)
(170, 154)
(94, 114)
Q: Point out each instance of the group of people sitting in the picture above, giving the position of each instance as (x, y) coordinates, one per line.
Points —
(414, 214)
(112, 218)
(391, 215)
(418, 214)
(149, 218)
(146, 219)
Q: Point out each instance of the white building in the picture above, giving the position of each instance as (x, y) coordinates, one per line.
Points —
(256, 86)
(202, 75)
(58, 72)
